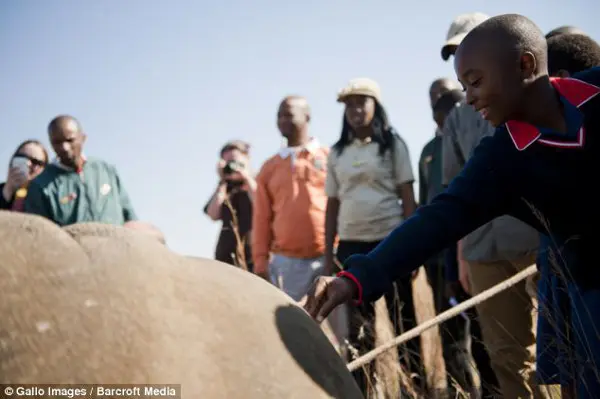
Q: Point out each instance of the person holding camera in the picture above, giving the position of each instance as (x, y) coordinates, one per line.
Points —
(28, 161)
(231, 203)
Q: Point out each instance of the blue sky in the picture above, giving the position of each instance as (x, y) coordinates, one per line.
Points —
(159, 86)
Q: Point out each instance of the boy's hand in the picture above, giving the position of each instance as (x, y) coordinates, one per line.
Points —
(326, 293)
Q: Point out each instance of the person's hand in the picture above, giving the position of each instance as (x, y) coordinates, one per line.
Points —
(329, 266)
(16, 178)
(463, 275)
(220, 165)
(261, 269)
(452, 289)
(326, 293)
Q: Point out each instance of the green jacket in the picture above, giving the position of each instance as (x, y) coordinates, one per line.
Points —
(430, 171)
(67, 197)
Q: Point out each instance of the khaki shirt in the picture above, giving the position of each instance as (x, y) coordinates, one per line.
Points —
(366, 185)
(504, 238)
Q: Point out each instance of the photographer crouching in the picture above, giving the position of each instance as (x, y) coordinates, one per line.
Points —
(234, 192)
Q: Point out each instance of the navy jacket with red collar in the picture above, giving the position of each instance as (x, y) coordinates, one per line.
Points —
(541, 177)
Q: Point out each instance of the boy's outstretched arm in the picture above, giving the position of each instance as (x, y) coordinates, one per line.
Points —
(481, 192)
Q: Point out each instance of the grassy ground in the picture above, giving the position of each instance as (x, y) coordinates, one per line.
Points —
(391, 377)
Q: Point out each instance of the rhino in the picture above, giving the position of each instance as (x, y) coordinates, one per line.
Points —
(97, 304)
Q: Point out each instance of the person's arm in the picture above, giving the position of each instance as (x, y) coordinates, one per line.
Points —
(249, 182)
(251, 186)
(451, 264)
(36, 202)
(453, 159)
(404, 178)
(463, 268)
(128, 210)
(422, 179)
(331, 214)
(483, 191)
(6, 198)
(262, 235)
(214, 206)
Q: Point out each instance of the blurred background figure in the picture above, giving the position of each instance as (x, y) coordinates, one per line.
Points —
(234, 192)
(75, 189)
(368, 172)
(28, 161)
(565, 29)
(288, 236)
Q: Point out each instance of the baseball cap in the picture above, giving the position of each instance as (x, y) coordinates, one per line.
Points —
(360, 86)
(459, 28)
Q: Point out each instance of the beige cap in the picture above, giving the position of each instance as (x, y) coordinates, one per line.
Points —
(459, 28)
(360, 86)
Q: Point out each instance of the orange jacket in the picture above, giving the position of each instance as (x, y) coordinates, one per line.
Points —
(289, 206)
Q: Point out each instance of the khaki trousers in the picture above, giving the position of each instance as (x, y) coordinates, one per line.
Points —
(508, 323)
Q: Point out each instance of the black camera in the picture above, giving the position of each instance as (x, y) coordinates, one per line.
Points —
(232, 167)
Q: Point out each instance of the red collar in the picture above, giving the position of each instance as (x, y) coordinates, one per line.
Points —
(575, 91)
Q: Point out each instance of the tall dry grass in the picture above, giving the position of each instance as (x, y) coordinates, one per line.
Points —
(239, 257)
(390, 380)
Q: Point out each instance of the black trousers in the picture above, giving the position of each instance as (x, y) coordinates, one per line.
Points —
(401, 311)
(456, 334)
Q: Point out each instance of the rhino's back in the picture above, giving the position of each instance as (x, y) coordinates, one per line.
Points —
(101, 304)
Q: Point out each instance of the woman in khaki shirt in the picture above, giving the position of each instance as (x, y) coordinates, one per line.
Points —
(368, 172)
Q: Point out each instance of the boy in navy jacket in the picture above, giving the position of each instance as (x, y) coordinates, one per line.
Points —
(536, 167)
(568, 54)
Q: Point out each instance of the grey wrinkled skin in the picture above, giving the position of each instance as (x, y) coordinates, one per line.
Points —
(100, 304)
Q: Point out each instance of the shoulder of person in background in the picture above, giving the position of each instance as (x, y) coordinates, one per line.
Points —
(268, 166)
(467, 113)
(100, 163)
(47, 176)
(427, 151)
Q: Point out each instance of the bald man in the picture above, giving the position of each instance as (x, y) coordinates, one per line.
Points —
(441, 86)
(74, 188)
(444, 94)
(288, 237)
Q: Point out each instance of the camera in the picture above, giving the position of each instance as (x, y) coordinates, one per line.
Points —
(232, 167)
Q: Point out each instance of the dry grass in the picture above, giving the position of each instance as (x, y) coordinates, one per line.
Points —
(240, 249)
(431, 342)
(390, 380)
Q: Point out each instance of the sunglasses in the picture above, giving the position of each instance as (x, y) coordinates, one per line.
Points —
(34, 161)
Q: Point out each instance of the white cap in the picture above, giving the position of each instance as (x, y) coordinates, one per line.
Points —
(460, 27)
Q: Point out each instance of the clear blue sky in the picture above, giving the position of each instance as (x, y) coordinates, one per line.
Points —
(159, 86)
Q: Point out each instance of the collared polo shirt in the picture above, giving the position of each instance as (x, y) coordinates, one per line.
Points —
(289, 205)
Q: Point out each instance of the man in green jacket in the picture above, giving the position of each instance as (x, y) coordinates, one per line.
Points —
(73, 189)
